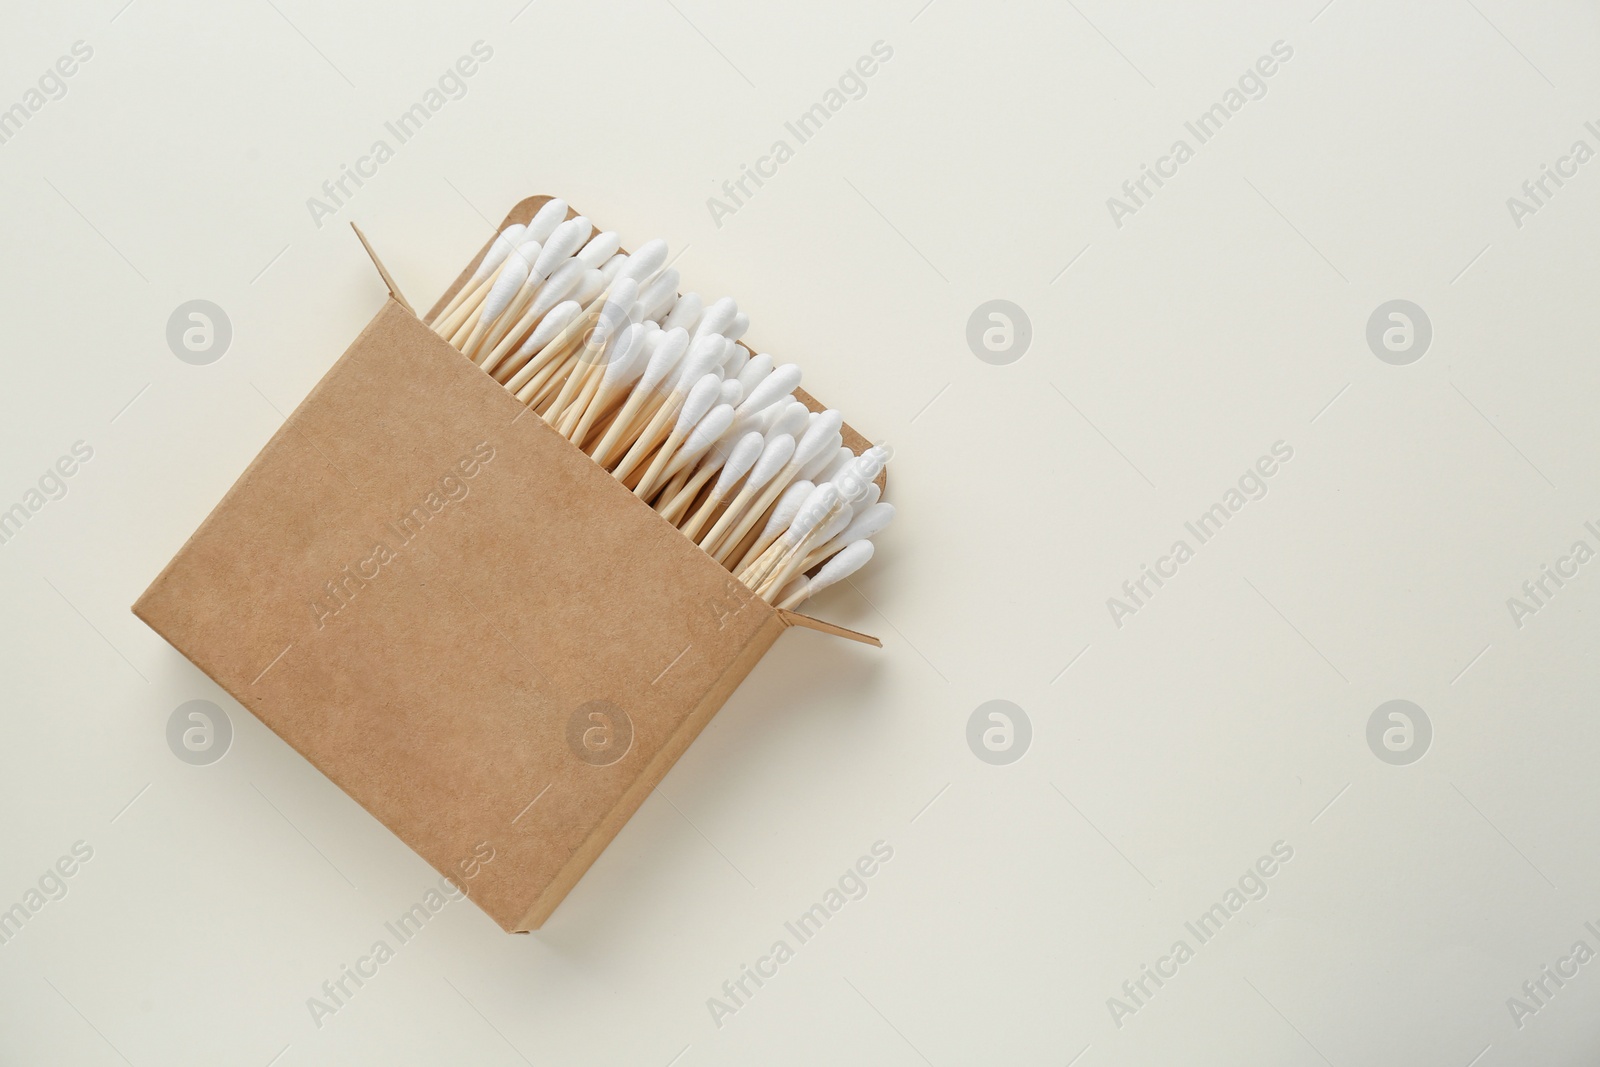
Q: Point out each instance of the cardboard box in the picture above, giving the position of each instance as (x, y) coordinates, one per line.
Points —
(459, 617)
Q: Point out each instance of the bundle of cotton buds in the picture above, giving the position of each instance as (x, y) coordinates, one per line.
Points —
(655, 387)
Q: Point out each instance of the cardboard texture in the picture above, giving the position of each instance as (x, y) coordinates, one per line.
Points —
(458, 617)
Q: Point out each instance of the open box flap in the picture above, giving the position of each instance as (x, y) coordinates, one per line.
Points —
(794, 618)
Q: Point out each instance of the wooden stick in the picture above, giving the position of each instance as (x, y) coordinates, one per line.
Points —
(456, 301)
(685, 499)
(741, 551)
(447, 324)
(663, 455)
(577, 416)
(629, 424)
(463, 331)
(796, 598)
(674, 501)
(648, 438)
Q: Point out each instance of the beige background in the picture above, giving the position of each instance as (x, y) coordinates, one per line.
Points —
(1167, 755)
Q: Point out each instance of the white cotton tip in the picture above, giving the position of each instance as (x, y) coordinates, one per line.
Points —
(614, 315)
(704, 357)
(827, 531)
(793, 417)
(871, 496)
(685, 312)
(645, 261)
(563, 281)
(742, 457)
(840, 458)
(552, 324)
(668, 351)
(591, 285)
(601, 247)
(738, 327)
(821, 460)
(717, 317)
(720, 449)
(818, 438)
(627, 358)
(813, 510)
(658, 296)
(784, 510)
(701, 399)
(734, 358)
(774, 456)
(568, 238)
(526, 250)
(868, 522)
(505, 288)
(614, 267)
(755, 372)
(650, 342)
(731, 393)
(871, 462)
(782, 381)
(850, 559)
(854, 478)
(706, 432)
(504, 244)
(553, 214)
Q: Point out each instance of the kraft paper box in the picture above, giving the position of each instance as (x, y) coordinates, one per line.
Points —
(458, 617)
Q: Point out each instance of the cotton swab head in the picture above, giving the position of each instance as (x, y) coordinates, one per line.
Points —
(871, 497)
(850, 559)
(563, 281)
(614, 316)
(627, 361)
(548, 218)
(821, 460)
(830, 529)
(685, 312)
(590, 285)
(658, 296)
(740, 459)
(813, 511)
(504, 244)
(818, 438)
(601, 247)
(868, 522)
(506, 286)
(644, 262)
(840, 457)
(783, 511)
(731, 393)
(854, 477)
(782, 381)
(567, 239)
(669, 350)
(706, 432)
(792, 418)
(553, 323)
(738, 328)
(755, 372)
(734, 357)
(704, 356)
(716, 318)
(701, 399)
(614, 267)
(776, 453)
